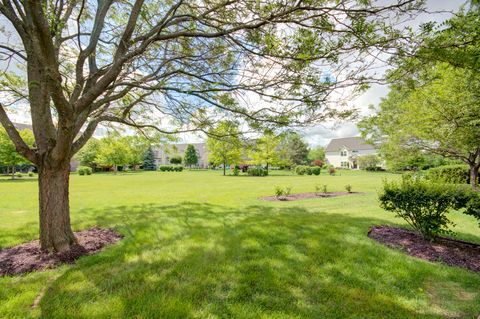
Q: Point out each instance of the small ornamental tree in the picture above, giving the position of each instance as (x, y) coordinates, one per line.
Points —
(149, 160)
(113, 152)
(265, 150)
(224, 144)
(191, 156)
(87, 155)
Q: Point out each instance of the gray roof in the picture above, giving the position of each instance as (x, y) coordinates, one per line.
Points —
(351, 143)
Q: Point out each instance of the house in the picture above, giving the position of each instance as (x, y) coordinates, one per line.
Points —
(164, 153)
(344, 152)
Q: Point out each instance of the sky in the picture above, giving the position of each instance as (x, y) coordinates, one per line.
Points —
(320, 135)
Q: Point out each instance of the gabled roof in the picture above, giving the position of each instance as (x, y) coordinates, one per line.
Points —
(350, 143)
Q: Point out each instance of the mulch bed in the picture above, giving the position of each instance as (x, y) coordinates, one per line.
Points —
(449, 251)
(28, 257)
(307, 195)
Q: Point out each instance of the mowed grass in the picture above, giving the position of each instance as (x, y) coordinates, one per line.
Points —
(200, 245)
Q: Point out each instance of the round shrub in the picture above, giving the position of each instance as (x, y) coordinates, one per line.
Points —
(424, 205)
(31, 174)
(19, 175)
(309, 170)
(316, 170)
(455, 174)
(84, 170)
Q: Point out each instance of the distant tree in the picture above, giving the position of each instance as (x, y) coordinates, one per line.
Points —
(224, 144)
(265, 150)
(113, 152)
(137, 145)
(87, 155)
(293, 149)
(190, 156)
(370, 160)
(8, 154)
(317, 153)
(149, 160)
(176, 159)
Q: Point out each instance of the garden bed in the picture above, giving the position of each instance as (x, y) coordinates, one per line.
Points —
(28, 257)
(307, 195)
(449, 251)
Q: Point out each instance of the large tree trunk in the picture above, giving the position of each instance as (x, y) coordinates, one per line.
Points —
(474, 176)
(55, 231)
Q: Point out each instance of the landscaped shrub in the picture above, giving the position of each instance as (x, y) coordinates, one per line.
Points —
(257, 171)
(348, 188)
(31, 174)
(282, 193)
(301, 169)
(316, 170)
(84, 170)
(170, 168)
(332, 170)
(236, 171)
(456, 174)
(374, 169)
(19, 175)
(424, 205)
(309, 170)
(318, 163)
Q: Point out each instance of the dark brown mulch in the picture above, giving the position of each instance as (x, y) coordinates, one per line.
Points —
(28, 257)
(307, 195)
(449, 251)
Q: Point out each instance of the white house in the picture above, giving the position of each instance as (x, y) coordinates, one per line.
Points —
(344, 152)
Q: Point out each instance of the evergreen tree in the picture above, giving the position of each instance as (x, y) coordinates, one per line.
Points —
(191, 156)
(149, 160)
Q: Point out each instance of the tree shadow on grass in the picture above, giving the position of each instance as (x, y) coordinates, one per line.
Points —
(200, 260)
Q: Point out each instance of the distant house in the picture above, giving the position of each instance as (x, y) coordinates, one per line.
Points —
(164, 153)
(344, 152)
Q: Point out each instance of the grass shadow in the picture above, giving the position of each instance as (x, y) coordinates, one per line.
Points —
(200, 260)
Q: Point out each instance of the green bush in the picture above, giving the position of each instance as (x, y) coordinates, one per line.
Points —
(301, 170)
(316, 170)
(170, 168)
(309, 170)
(236, 171)
(455, 174)
(282, 193)
(84, 170)
(424, 205)
(348, 188)
(257, 171)
(31, 174)
(19, 175)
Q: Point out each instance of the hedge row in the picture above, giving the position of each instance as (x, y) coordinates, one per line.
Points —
(170, 168)
(307, 170)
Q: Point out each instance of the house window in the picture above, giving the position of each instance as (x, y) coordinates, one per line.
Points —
(343, 153)
(344, 165)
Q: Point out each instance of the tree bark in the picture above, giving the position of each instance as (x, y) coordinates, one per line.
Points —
(474, 176)
(55, 231)
(224, 166)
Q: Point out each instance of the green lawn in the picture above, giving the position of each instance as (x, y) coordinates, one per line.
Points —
(200, 245)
